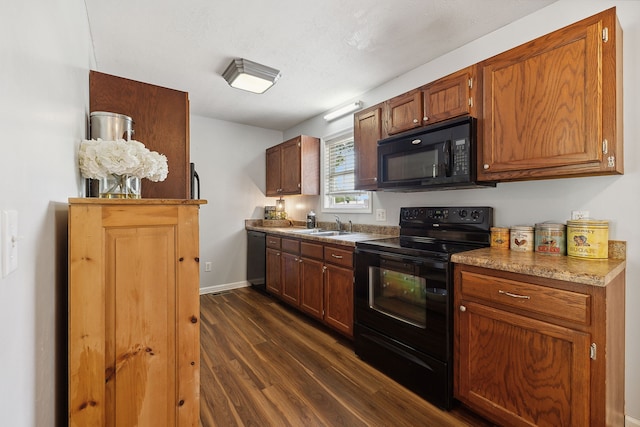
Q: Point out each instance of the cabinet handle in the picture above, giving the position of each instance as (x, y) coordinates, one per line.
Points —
(336, 256)
(324, 268)
(509, 294)
(486, 166)
(300, 260)
(277, 253)
(463, 308)
(415, 120)
(425, 118)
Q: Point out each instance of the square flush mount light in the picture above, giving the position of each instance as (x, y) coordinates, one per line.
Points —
(250, 76)
(343, 111)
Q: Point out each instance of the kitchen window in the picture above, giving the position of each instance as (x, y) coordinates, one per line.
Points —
(339, 194)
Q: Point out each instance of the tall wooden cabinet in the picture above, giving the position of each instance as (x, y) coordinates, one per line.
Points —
(161, 123)
(293, 167)
(553, 107)
(367, 131)
(134, 331)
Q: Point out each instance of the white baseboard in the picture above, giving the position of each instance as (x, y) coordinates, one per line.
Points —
(224, 287)
(631, 422)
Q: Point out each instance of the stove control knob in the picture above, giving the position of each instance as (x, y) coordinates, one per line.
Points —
(475, 214)
(462, 213)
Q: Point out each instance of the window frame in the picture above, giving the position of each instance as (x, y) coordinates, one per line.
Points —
(325, 206)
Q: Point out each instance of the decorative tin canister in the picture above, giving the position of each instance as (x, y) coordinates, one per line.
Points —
(588, 238)
(521, 238)
(500, 237)
(551, 238)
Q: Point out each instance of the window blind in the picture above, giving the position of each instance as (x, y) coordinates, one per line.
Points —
(340, 161)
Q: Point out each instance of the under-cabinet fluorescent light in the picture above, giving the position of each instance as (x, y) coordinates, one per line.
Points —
(343, 111)
(250, 76)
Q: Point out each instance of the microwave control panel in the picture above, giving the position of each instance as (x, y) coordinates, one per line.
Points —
(460, 148)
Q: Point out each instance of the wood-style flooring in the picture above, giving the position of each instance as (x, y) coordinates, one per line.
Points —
(265, 364)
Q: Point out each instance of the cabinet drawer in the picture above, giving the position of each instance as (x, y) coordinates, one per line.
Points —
(556, 303)
(343, 257)
(273, 242)
(290, 245)
(311, 250)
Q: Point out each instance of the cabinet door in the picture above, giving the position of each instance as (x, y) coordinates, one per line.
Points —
(274, 277)
(161, 123)
(404, 112)
(290, 168)
(291, 278)
(312, 287)
(521, 371)
(367, 131)
(447, 97)
(273, 187)
(549, 105)
(338, 291)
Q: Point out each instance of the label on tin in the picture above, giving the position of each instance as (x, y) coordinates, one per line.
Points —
(522, 239)
(550, 241)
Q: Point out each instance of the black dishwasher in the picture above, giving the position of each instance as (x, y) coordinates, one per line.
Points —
(256, 255)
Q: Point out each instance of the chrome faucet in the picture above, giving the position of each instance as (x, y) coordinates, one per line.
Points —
(338, 223)
(350, 226)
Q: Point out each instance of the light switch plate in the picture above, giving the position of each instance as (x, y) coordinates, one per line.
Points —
(381, 214)
(9, 241)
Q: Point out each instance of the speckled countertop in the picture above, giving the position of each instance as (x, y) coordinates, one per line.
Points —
(586, 271)
(361, 232)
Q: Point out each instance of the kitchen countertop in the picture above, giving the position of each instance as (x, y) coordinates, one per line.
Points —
(367, 233)
(576, 270)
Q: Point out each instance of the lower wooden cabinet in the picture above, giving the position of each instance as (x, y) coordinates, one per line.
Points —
(533, 351)
(315, 278)
(134, 331)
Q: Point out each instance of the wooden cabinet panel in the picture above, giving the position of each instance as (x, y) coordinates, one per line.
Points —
(549, 105)
(342, 257)
(403, 112)
(367, 131)
(311, 250)
(274, 166)
(291, 167)
(274, 270)
(312, 287)
(449, 97)
(291, 278)
(161, 123)
(338, 297)
(133, 313)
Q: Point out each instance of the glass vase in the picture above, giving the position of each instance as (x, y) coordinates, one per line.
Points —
(120, 187)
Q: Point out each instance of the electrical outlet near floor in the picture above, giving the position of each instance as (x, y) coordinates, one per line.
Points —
(579, 214)
(381, 214)
(207, 266)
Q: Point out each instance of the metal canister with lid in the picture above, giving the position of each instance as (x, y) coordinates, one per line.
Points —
(551, 238)
(588, 238)
(500, 237)
(521, 238)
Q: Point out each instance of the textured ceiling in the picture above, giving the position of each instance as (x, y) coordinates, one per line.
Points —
(328, 51)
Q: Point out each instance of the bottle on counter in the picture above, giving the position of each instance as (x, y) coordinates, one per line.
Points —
(311, 219)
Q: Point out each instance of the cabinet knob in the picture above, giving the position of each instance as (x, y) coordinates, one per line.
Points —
(300, 260)
(485, 166)
(415, 120)
(425, 119)
(463, 308)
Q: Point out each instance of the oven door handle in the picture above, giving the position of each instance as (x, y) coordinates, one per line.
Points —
(421, 261)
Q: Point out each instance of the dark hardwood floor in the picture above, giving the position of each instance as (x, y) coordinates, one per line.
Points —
(265, 364)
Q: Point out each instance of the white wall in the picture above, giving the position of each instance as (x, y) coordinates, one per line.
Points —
(614, 198)
(46, 53)
(230, 160)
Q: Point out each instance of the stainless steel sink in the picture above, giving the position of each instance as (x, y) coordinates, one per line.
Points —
(320, 232)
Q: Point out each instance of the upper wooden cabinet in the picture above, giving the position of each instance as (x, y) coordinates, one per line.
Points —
(403, 112)
(445, 98)
(293, 167)
(161, 123)
(553, 107)
(367, 131)
(451, 96)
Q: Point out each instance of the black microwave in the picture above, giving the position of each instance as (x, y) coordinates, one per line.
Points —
(437, 157)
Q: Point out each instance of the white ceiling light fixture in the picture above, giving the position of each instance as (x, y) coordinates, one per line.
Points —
(250, 76)
(343, 111)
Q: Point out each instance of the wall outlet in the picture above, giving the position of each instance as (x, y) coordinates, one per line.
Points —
(207, 266)
(381, 214)
(579, 214)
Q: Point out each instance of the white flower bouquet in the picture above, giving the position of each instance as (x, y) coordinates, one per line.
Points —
(102, 158)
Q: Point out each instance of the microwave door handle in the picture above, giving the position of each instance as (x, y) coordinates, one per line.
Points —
(447, 158)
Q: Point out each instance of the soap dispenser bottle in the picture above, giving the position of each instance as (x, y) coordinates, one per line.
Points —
(311, 219)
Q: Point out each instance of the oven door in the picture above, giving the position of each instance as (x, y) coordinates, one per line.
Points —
(406, 299)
